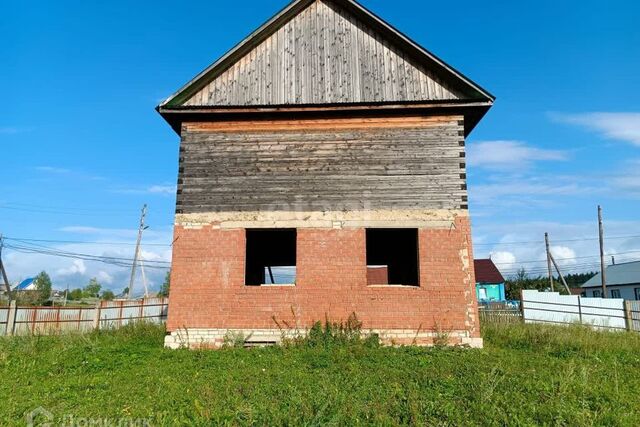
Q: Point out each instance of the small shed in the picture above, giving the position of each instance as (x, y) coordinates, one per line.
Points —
(489, 281)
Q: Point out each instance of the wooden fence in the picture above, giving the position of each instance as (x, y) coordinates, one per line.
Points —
(500, 315)
(23, 320)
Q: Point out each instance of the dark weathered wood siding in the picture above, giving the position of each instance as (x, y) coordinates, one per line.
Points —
(411, 163)
(323, 55)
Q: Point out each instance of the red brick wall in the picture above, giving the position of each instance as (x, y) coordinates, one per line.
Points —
(377, 275)
(208, 291)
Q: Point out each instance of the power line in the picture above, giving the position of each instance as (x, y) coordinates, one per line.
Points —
(70, 209)
(54, 211)
(119, 261)
(566, 259)
(56, 250)
(541, 242)
(88, 257)
(84, 242)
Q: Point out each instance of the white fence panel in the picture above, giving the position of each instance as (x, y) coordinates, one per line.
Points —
(551, 307)
(608, 313)
(4, 316)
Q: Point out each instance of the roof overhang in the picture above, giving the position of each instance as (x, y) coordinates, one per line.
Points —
(473, 111)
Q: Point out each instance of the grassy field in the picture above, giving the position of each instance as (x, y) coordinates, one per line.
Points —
(526, 375)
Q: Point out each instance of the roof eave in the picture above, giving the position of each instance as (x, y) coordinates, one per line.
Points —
(473, 111)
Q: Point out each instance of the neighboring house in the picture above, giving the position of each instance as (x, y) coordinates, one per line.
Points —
(623, 281)
(489, 282)
(322, 173)
(26, 285)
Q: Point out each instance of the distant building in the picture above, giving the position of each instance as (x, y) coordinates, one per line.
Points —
(26, 285)
(623, 281)
(489, 282)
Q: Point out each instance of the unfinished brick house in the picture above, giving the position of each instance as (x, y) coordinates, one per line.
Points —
(322, 173)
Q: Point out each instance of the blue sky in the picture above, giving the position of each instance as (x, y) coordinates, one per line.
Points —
(83, 148)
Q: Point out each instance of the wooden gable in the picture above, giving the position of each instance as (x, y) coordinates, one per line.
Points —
(325, 52)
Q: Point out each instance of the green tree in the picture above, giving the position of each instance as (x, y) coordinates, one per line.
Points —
(92, 289)
(75, 295)
(522, 280)
(43, 287)
(108, 295)
(164, 289)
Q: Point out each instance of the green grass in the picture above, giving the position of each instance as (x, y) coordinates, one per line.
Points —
(526, 375)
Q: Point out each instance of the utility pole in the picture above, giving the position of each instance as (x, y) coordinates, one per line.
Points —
(2, 270)
(564, 282)
(137, 253)
(546, 243)
(603, 274)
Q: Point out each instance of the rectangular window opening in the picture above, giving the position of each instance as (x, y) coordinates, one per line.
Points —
(392, 256)
(270, 257)
(615, 293)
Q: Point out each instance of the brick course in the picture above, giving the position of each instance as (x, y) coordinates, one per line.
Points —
(208, 291)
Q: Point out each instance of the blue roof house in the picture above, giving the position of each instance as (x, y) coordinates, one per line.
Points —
(26, 285)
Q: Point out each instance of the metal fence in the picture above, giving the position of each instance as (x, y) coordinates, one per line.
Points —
(551, 307)
(22, 320)
(633, 314)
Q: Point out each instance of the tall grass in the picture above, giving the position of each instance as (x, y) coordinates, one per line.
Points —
(569, 339)
(526, 375)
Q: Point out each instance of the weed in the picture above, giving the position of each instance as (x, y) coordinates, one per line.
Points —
(235, 339)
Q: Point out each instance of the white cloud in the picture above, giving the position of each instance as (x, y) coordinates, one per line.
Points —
(563, 255)
(516, 190)
(104, 277)
(628, 182)
(55, 170)
(11, 130)
(52, 169)
(503, 259)
(76, 267)
(574, 245)
(508, 154)
(76, 273)
(81, 229)
(164, 190)
(620, 126)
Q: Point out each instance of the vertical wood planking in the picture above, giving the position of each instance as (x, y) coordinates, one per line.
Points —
(323, 55)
